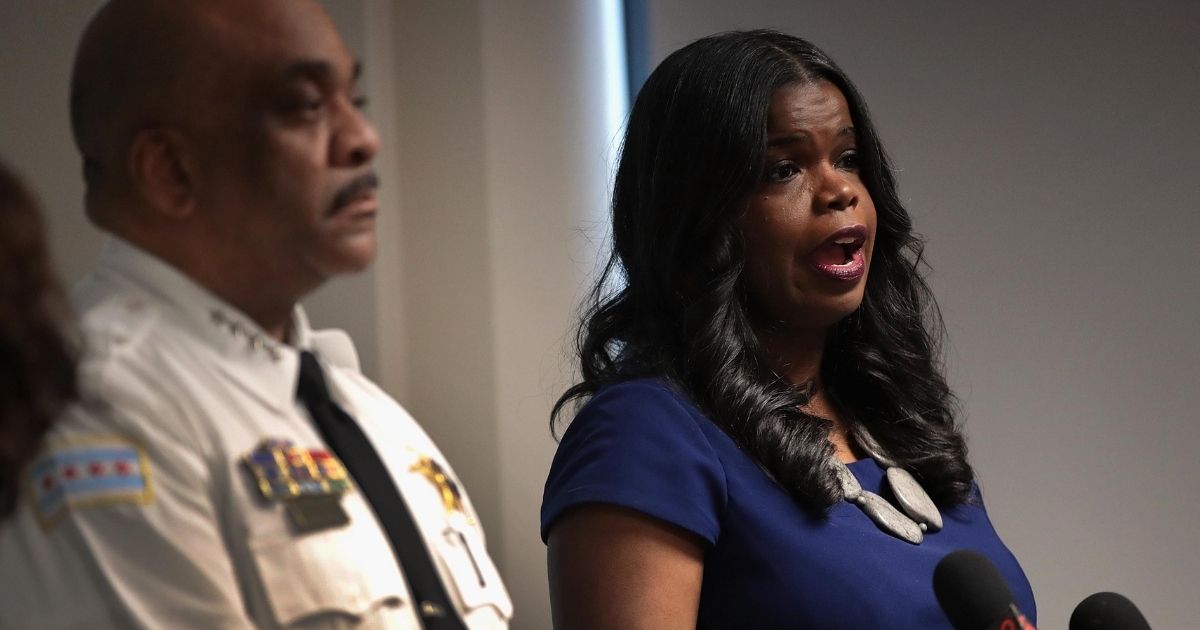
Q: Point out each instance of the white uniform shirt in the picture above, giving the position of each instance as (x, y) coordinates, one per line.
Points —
(141, 512)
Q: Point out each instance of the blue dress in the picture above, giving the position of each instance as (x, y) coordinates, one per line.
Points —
(770, 563)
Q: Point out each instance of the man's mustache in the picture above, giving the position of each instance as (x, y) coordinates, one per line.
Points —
(355, 188)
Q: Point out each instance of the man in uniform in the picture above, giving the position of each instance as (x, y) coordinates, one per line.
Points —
(229, 466)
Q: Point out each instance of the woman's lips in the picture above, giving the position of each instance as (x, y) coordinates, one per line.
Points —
(849, 271)
(840, 256)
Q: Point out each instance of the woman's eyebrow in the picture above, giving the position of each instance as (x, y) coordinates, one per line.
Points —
(793, 138)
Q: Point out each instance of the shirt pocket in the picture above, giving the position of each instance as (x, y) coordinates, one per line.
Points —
(473, 579)
(344, 572)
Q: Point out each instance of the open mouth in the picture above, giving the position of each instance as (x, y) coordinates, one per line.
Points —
(839, 252)
(841, 255)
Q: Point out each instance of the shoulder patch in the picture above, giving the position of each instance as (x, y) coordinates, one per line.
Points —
(88, 473)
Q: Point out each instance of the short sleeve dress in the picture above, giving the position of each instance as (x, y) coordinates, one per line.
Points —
(770, 563)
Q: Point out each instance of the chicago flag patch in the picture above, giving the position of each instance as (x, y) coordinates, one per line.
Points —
(102, 471)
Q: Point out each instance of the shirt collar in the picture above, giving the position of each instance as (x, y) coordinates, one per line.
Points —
(248, 355)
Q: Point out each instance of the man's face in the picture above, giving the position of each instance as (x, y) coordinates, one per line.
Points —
(285, 152)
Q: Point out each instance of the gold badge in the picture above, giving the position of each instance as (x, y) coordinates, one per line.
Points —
(447, 488)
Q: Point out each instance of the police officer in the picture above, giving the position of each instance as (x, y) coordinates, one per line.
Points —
(228, 465)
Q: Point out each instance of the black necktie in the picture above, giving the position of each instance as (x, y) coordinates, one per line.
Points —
(348, 441)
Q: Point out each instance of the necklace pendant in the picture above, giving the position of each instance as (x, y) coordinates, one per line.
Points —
(889, 518)
(913, 499)
(851, 489)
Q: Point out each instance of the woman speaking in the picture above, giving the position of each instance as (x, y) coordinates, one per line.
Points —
(764, 436)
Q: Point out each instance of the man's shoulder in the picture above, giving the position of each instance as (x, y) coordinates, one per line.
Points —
(132, 341)
(116, 321)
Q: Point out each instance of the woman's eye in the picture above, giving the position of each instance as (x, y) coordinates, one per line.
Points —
(360, 102)
(782, 171)
(849, 161)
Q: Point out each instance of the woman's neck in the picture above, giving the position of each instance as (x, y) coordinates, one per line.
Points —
(796, 357)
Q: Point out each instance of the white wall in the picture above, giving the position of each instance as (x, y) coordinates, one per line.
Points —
(37, 46)
(546, 144)
(1048, 152)
(500, 133)
(503, 138)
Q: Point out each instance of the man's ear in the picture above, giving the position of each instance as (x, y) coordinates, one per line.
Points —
(162, 171)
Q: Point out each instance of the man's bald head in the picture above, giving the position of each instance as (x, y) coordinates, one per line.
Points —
(127, 74)
(226, 138)
(148, 63)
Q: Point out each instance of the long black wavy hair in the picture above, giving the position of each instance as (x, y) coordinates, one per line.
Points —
(693, 153)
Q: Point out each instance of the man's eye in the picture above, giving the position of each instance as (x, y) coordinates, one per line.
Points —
(302, 105)
(360, 102)
(782, 171)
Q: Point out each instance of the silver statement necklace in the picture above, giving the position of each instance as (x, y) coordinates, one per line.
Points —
(919, 512)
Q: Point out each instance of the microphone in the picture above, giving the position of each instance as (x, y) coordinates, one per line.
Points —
(974, 595)
(1107, 611)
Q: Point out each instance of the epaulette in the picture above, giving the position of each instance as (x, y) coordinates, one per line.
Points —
(117, 325)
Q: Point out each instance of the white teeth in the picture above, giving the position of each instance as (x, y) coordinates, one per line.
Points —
(849, 240)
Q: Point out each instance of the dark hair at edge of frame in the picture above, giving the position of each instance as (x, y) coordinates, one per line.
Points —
(37, 358)
(693, 152)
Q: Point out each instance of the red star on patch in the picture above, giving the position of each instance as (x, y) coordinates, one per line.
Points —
(95, 469)
(122, 468)
(47, 482)
(70, 473)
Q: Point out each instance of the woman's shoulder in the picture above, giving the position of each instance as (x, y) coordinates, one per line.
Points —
(653, 400)
(641, 418)
(644, 445)
(651, 391)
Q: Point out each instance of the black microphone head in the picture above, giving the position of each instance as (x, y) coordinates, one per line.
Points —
(1107, 611)
(971, 590)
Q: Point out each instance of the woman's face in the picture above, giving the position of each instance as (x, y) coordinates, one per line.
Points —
(809, 226)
